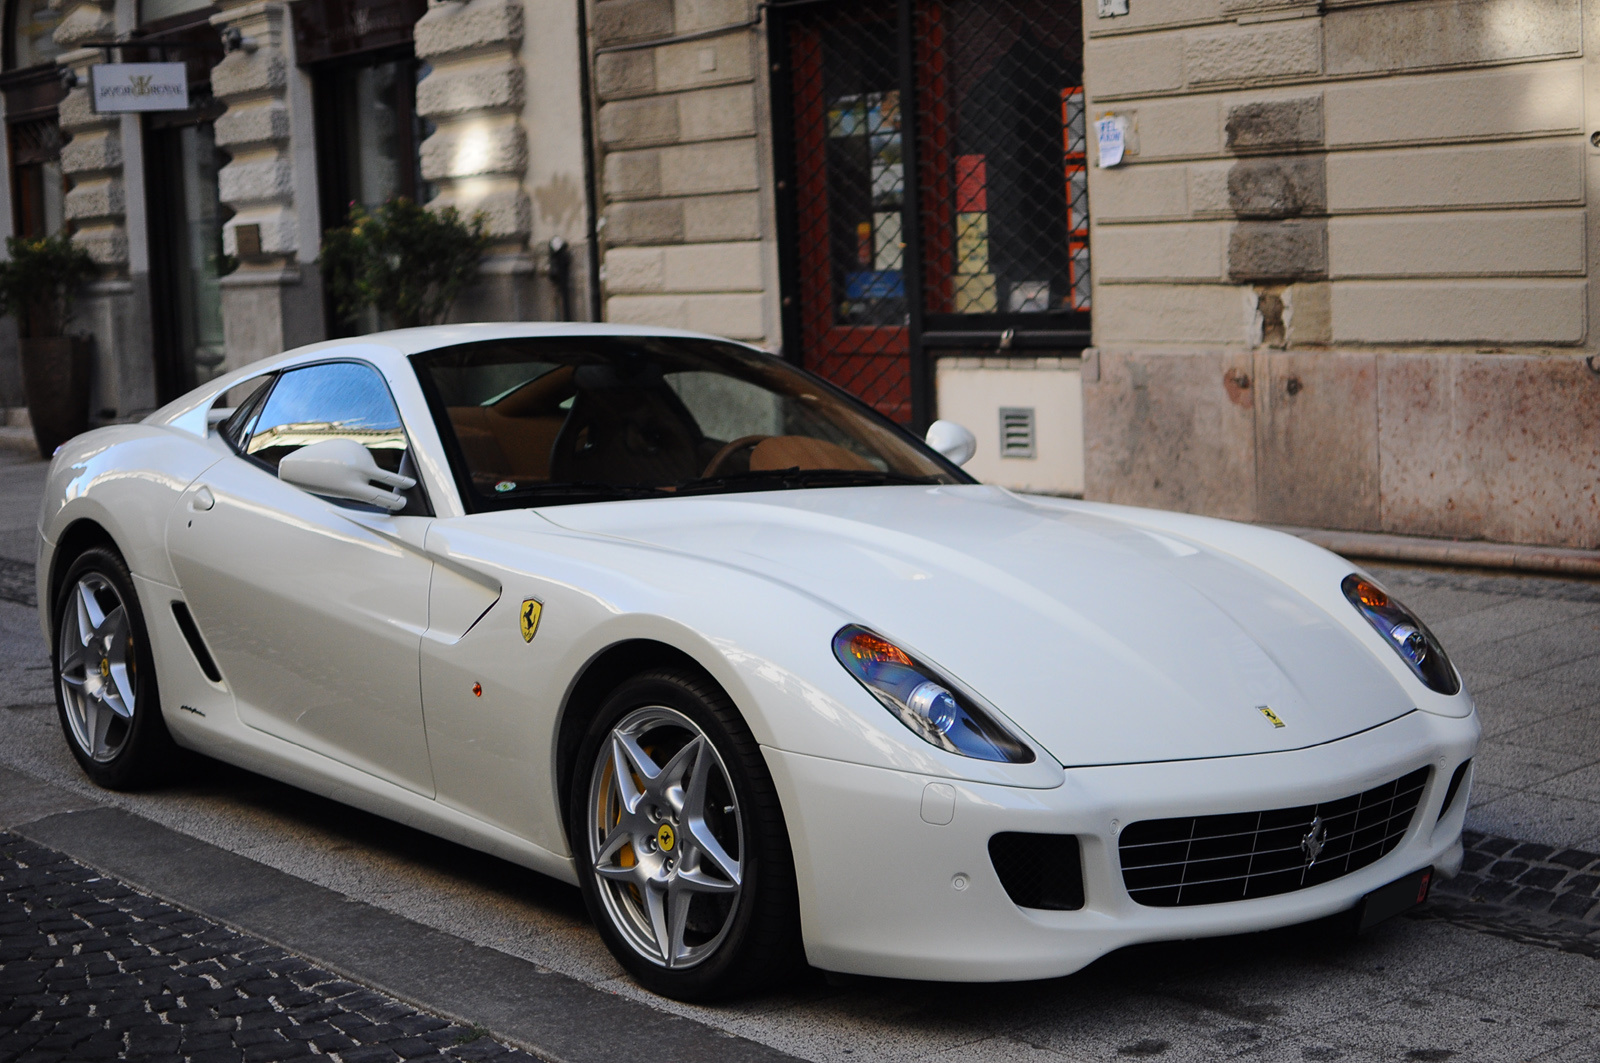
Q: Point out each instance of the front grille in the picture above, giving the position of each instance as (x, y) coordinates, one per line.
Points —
(1169, 863)
(1039, 870)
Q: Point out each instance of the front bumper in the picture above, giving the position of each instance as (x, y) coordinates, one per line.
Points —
(885, 893)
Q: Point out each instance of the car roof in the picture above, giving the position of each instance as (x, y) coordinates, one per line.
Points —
(431, 337)
(188, 412)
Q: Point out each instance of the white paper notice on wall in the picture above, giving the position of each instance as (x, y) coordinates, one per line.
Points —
(116, 87)
(1113, 8)
(1111, 133)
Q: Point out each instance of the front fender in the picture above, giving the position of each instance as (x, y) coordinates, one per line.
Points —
(766, 642)
(126, 479)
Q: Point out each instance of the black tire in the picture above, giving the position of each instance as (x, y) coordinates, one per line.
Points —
(138, 750)
(758, 944)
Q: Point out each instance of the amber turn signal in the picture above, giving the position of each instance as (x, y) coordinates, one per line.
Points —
(1370, 596)
(867, 647)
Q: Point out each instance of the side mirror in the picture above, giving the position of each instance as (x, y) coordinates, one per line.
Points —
(343, 468)
(953, 441)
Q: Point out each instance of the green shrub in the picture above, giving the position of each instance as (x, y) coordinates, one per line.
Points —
(408, 262)
(40, 280)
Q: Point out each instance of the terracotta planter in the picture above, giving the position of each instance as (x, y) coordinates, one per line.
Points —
(55, 376)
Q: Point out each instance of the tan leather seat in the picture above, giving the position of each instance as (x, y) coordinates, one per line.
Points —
(804, 453)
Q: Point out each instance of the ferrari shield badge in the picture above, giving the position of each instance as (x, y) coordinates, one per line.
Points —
(531, 608)
(1266, 710)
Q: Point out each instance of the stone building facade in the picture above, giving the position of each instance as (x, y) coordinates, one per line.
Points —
(206, 224)
(1342, 275)
(1346, 276)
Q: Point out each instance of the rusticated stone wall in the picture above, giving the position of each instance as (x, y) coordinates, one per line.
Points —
(685, 161)
(503, 96)
(273, 301)
(1343, 277)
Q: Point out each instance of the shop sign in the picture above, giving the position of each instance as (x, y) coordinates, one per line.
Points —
(117, 87)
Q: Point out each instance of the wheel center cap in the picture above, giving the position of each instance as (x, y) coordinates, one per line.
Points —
(105, 668)
(666, 838)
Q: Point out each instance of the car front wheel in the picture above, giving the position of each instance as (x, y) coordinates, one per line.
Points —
(105, 675)
(680, 842)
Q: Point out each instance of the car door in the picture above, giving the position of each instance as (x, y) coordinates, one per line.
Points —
(314, 608)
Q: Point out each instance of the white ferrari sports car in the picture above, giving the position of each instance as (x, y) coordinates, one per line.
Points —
(766, 676)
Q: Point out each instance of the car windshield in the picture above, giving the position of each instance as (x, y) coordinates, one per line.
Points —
(572, 419)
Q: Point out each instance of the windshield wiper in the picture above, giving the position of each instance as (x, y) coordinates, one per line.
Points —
(790, 479)
(581, 491)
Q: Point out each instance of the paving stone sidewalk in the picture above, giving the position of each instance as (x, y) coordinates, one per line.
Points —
(1539, 894)
(93, 970)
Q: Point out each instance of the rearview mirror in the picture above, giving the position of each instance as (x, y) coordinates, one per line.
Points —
(343, 468)
(953, 441)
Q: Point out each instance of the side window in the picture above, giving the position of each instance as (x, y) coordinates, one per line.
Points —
(337, 400)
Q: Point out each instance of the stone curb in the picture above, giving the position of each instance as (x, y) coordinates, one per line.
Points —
(1375, 546)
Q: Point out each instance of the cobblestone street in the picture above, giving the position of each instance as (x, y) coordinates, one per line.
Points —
(92, 970)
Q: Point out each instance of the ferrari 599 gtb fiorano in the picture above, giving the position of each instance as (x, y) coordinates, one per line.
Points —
(769, 678)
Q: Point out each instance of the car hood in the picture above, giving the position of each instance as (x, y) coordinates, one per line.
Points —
(1106, 643)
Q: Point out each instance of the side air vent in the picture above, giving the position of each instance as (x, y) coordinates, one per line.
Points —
(197, 646)
(1455, 787)
(1039, 870)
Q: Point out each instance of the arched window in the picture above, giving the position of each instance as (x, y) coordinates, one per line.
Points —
(30, 34)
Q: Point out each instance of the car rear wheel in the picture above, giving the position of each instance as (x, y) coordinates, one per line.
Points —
(105, 675)
(680, 843)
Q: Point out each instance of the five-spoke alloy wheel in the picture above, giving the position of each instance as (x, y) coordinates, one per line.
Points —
(681, 846)
(665, 844)
(105, 677)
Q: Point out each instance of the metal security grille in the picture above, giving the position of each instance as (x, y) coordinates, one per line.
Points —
(931, 156)
(1003, 185)
(1168, 863)
(849, 165)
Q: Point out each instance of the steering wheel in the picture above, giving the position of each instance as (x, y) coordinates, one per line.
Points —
(722, 457)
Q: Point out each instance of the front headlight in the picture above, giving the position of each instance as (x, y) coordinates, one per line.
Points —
(925, 702)
(1405, 634)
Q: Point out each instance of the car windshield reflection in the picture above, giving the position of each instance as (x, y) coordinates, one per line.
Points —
(545, 421)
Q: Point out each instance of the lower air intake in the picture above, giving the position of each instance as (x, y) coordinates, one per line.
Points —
(1039, 870)
(1170, 863)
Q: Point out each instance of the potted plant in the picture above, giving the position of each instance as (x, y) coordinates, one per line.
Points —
(403, 260)
(37, 285)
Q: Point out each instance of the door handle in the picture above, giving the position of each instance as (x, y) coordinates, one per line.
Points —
(202, 500)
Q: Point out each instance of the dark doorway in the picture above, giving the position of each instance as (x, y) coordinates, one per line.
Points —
(931, 186)
(365, 75)
(184, 213)
(186, 259)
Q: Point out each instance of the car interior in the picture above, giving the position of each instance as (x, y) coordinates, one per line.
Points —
(659, 419)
